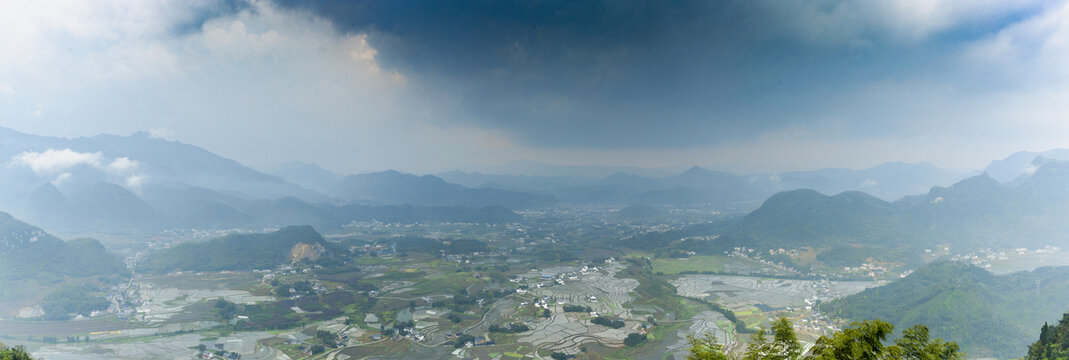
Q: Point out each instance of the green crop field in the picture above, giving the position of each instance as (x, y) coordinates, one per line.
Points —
(670, 266)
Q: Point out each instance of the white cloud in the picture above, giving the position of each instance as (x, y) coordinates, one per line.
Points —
(160, 133)
(239, 86)
(135, 181)
(122, 165)
(1033, 51)
(52, 161)
(61, 179)
(1030, 169)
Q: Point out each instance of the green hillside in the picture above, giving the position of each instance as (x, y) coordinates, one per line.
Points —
(235, 252)
(34, 263)
(29, 253)
(807, 218)
(987, 315)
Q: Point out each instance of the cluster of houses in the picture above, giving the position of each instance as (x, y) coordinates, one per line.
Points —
(547, 280)
(540, 303)
(478, 341)
(207, 355)
(421, 318)
(983, 258)
(871, 270)
(814, 323)
(301, 340)
(752, 254)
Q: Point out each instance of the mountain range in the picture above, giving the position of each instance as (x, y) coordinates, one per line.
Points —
(729, 192)
(113, 209)
(1022, 164)
(978, 212)
(110, 183)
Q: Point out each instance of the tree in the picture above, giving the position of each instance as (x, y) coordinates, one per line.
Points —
(784, 345)
(326, 337)
(864, 341)
(1053, 342)
(915, 345)
(757, 346)
(634, 339)
(705, 348)
(860, 341)
(15, 353)
(607, 322)
(225, 310)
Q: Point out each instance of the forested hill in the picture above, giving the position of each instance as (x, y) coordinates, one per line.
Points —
(29, 253)
(242, 252)
(806, 217)
(987, 315)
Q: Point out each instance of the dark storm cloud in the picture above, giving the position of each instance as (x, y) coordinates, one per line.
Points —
(626, 74)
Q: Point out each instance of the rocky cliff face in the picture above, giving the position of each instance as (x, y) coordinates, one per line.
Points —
(15, 234)
(302, 251)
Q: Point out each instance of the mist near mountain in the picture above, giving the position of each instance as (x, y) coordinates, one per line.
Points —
(731, 192)
(85, 187)
(307, 175)
(132, 161)
(1022, 164)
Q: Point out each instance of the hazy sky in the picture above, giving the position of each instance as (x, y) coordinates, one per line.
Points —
(422, 86)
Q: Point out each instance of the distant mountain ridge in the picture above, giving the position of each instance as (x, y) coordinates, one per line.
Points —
(305, 174)
(1021, 163)
(186, 186)
(109, 207)
(730, 192)
(976, 212)
(394, 188)
(113, 184)
(153, 159)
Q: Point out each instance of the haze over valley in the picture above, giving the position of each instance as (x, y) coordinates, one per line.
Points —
(334, 180)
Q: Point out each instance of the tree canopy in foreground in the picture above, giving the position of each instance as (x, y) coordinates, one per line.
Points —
(15, 353)
(860, 341)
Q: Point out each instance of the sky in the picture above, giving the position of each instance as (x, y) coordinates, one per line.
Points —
(745, 86)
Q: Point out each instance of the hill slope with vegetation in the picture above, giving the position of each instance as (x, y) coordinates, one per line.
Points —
(29, 253)
(983, 312)
(242, 252)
